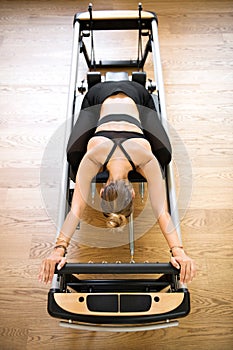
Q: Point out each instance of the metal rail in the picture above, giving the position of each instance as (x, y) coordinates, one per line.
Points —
(126, 328)
(64, 186)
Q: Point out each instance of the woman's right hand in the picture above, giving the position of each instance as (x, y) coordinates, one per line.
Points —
(47, 267)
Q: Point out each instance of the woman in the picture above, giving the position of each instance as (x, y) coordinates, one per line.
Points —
(112, 136)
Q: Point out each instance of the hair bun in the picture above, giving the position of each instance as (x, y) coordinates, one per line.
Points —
(116, 220)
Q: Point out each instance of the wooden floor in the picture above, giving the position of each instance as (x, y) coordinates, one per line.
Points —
(196, 39)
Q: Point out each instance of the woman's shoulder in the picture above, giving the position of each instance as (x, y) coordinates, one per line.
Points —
(100, 142)
(98, 147)
(139, 150)
(140, 145)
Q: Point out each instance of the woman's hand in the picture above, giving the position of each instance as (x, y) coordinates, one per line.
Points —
(186, 265)
(48, 266)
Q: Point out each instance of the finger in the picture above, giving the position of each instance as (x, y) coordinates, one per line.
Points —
(46, 271)
(187, 276)
(182, 271)
(43, 269)
(175, 263)
(51, 272)
(61, 263)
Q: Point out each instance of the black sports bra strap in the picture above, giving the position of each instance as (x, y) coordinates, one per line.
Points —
(110, 154)
(127, 155)
(118, 142)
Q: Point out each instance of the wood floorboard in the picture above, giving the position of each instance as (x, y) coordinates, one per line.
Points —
(196, 40)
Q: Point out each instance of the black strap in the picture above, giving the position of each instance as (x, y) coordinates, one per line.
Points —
(127, 156)
(118, 142)
(119, 117)
(110, 154)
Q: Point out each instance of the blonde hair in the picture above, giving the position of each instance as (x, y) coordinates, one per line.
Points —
(117, 203)
(116, 220)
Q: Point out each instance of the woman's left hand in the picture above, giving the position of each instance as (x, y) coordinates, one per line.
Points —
(186, 265)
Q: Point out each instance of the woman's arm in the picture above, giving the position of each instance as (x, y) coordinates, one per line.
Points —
(157, 193)
(179, 258)
(87, 170)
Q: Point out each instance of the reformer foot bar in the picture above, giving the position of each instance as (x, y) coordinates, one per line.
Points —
(122, 304)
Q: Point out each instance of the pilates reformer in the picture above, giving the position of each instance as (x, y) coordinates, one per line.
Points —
(117, 304)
